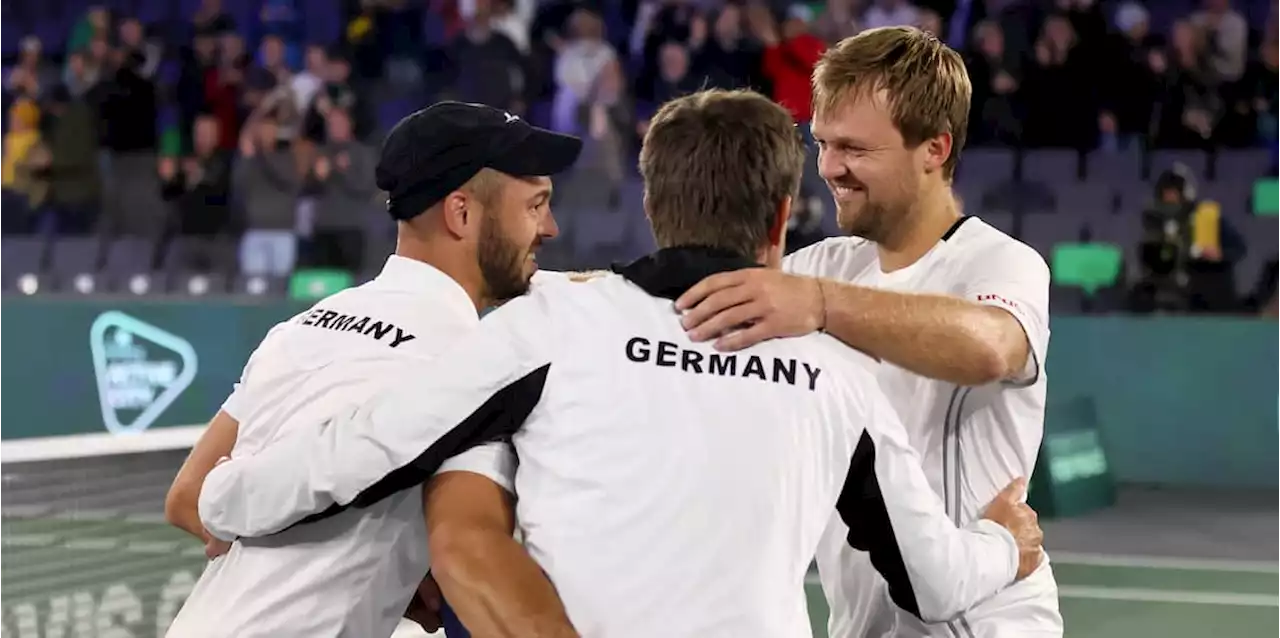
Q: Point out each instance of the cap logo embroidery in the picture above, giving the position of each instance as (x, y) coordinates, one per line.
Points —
(511, 118)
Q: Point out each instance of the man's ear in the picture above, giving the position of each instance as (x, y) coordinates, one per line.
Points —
(457, 214)
(937, 151)
(778, 231)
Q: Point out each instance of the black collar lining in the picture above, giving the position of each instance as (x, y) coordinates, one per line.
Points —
(669, 272)
(956, 226)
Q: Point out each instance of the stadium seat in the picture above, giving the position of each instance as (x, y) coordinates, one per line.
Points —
(22, 255)
(258, 286)
(1051, 166)
(206, 254)
(138, 283)
(1087, 266)
(72, 256)
(1114, 168)
(129, 255)
(1244, 164)
(1041, 232)
(196, 284)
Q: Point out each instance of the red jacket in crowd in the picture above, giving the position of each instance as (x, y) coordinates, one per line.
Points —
(789, 65)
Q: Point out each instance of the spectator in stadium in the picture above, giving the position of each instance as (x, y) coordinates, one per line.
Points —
(267, 183)
(1256, 97)
(606, 117)
(673, 79)
(487, 66)
(72, 164)
(930, 22)
(199, 186)
(195, 62)
(78, 77)
(891, 13)
(32, 76)
(133, 40)
(22, 136)
(790, 53)
(268, 72)
(308, 82)
(839, 19)
(657, 23)
(1130, 88)
(129, 107)
(1188, 250)
(1061, 103)
(100, 57)
(344, 188)
(339, 92)
(96, 24)
(995, 75)
(1190, 105)
(1226, 38)
(578, 67)
(210, 18)
(727, 59)
(280, 18)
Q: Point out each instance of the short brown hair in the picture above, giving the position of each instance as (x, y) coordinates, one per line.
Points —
(717, 165)
(927, 85)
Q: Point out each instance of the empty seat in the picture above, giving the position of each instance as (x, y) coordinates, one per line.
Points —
(1114, 168)
(1042, 232)
(71, 256)
(202, 254)
(1245, 164)
(1086, 200)
(259, 286)
(129, 255)
(1051, 166)
(139, 283)
(22, 254)
(80, 283)
(196, 284)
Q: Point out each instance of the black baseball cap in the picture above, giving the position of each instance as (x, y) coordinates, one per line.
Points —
(433, 152)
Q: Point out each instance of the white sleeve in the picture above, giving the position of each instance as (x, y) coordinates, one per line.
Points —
(495, 461)
(1014, 278)
(807, 261)
(934, 570)
(480, 391)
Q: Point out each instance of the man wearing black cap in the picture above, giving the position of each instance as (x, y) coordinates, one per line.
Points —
(667, 489)
(469, 186)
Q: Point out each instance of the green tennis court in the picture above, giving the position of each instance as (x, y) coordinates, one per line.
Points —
(109, 575)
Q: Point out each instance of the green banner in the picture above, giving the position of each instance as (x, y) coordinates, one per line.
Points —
(1178, 400)
(79, 367)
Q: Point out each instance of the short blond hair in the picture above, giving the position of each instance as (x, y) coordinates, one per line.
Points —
(717, 166)
(925, 81)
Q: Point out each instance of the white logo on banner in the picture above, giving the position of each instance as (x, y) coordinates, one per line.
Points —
(140, 370)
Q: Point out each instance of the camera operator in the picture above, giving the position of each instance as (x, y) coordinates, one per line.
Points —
(1188, 251)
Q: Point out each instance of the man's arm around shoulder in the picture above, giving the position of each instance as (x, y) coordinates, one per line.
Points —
(981, 335)
(488, 578)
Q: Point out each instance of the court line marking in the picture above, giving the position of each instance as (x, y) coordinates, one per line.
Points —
(1166, 596)
(52, 448)
(1164, 562)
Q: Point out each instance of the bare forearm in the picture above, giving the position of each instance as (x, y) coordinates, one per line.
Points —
(935, 336)
(497, 590)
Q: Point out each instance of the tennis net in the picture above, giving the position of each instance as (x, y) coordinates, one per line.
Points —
(86, 551)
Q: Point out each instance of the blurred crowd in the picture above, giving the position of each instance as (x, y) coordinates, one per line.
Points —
(247, 130)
